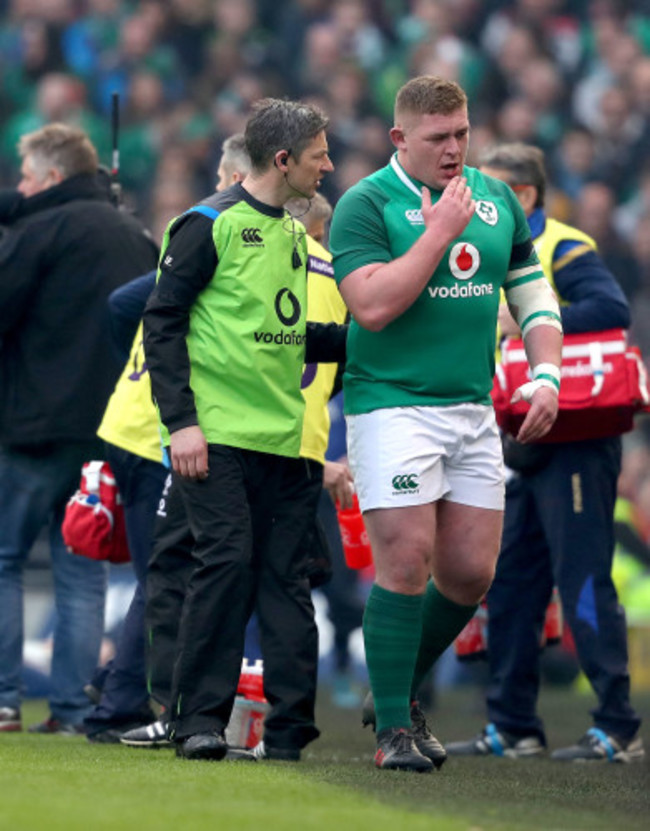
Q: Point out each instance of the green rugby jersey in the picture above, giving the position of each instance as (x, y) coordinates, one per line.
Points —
(226, 324)
(441, 350)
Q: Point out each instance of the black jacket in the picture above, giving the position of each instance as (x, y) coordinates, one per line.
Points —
(62, 252)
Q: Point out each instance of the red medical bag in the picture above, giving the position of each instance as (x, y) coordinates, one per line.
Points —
(94, 525)
(604, 383)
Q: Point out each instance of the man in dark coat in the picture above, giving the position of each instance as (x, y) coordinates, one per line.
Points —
(63, 248)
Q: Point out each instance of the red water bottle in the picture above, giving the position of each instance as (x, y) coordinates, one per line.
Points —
(356, 545)
(246, 725)
(472, 642)
(554, 620)
(251, 680)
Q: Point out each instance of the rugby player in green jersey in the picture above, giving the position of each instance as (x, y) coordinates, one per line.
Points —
(422, 249)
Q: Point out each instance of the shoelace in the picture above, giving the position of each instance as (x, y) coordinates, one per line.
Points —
(401, 742)
(419, 723)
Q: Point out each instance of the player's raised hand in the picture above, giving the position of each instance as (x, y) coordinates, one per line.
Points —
(452, 212)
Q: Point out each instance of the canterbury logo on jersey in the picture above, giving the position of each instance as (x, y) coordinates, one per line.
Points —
(405, 482)
(252, 236)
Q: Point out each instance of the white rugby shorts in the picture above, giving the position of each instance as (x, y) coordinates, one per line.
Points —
(403, 456)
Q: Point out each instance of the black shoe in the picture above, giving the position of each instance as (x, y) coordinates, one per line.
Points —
(424, 739)
(598, 746)
(113, 735)
(282, 754)
(396, 750)
(210, 745)
(149, 735)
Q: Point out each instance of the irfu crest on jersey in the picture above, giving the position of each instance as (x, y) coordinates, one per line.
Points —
(487, 211)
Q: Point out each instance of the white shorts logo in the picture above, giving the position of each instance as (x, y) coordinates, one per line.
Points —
(487, 211)
(464, 260)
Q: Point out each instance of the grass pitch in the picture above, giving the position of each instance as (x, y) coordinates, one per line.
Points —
(67, 784)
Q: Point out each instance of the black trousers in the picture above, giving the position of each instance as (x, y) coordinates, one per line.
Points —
(223, 547)
(559, 528)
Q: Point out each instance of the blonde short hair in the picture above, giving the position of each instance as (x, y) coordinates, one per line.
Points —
(429, 95)
(62, 146)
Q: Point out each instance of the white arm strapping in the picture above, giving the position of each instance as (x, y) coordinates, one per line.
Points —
(547, 372)
(533, 304)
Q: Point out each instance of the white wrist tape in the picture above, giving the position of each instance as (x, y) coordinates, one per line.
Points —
(547, 372)
(529, 389)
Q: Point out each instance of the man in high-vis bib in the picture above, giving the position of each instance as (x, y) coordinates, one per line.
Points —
(225, 334)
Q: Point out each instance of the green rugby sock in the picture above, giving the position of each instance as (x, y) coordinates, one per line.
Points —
(442, 620)
(392, 626)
